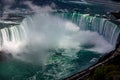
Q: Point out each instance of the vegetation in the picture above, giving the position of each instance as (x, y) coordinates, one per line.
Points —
(109, 71)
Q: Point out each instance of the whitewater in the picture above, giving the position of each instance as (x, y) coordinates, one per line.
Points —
(39, 33)
(52, 46)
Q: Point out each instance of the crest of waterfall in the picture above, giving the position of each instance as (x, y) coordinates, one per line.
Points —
(11, 38)
(104, 27)
(17, 34)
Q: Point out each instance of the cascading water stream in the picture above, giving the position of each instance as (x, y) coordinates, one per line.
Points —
(107, 29)
(62, 43)
(10, 38)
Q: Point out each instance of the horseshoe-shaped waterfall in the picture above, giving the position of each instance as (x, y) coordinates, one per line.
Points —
(54, 46)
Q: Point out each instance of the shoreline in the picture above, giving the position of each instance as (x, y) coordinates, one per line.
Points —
(101, 62)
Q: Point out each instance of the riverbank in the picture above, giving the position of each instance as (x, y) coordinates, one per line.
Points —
(88, 74)
(108, 71)
(92, 73)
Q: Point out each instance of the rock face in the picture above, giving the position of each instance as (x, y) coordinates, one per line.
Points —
(5, 56)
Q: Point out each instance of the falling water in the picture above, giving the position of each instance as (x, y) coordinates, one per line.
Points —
(63, 44)
(107, 29)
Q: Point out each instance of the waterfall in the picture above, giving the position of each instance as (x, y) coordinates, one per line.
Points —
(16, 34)
(56, 46)
(104, 27)
(11, 37)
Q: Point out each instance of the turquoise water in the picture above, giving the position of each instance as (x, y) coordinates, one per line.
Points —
(28, 65)
(58, 67)
(74, 42)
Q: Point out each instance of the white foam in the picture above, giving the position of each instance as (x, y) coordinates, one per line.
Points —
(44, 32)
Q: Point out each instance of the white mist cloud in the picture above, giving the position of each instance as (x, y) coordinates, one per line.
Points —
(45, 32)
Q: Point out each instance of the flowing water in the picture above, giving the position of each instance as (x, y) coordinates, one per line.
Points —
(54, 46)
